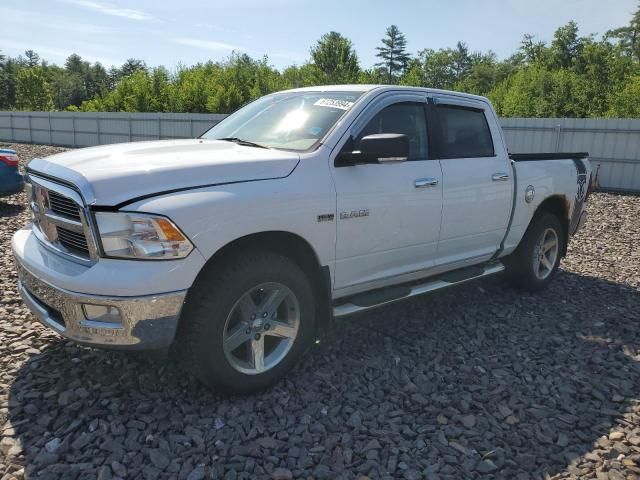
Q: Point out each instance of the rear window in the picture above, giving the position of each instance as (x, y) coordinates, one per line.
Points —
(464, 132)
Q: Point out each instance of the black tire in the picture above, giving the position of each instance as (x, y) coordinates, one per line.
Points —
(210, 303)
(521, 265)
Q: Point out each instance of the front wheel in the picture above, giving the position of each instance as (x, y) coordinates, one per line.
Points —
(534, 263)
(247, 322)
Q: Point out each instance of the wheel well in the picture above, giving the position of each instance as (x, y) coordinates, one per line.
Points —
(559, 206)
(297, 249)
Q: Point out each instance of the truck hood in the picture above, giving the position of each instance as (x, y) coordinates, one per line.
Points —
(113, 174)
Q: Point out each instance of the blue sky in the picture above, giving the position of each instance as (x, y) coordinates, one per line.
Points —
(190, 31)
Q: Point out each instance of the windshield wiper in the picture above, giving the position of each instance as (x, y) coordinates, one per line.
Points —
(240, 141)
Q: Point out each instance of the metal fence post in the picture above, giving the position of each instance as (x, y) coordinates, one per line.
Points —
(558, 136)
(130, 134)
(73, 127)
(50, 129)
(13, 133)
(29, 124)
(98, 129)
(159, 127)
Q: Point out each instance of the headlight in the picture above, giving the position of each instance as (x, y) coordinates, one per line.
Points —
(141, 236)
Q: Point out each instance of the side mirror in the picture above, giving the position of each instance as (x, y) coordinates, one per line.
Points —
(385, 147)
(378, 148)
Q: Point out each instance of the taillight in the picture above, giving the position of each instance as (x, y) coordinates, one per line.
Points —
(8, 157)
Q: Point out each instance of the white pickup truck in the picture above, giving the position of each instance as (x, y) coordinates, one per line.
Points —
(239, 248)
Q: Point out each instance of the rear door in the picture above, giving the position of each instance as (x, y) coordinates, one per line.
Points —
(477, 180)
(388, 215)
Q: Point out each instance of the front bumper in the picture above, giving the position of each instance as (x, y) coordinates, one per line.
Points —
(146, 322)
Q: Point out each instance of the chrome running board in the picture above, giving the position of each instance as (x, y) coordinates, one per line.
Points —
(385, 296)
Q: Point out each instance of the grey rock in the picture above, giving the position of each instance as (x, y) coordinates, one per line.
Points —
(119, 469)
(486, 466)
(53, 445)
(282, 474)
(197, 473)
(45, 458)
(267, 442)
(160, 458)
(81, 441)
(468, 421)
(412, 475)
(355, 420)
(104, 473)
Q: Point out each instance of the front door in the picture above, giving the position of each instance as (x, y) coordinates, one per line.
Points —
(388, 214)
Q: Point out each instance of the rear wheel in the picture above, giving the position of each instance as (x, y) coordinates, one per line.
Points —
(247, 322)
(534, 263)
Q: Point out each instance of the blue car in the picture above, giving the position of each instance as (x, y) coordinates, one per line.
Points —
(10, 179)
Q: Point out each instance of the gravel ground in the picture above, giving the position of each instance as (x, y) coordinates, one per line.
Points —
(473, 382)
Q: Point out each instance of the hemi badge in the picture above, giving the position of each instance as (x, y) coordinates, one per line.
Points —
(327, 217)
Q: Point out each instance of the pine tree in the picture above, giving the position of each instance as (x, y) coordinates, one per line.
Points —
(335, 58)
(393, 53)
(131, 66)
(629, 36)
(33, 59)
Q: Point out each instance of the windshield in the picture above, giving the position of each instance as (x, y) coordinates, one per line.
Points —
(291, 121)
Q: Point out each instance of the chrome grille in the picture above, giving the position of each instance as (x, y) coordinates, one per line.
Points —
(73, 240)
(63, 205)
(60, 220)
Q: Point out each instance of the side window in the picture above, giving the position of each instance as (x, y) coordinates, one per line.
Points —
(407, 118)
(464, 132)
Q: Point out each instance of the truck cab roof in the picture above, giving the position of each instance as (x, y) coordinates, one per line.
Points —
(364, 88)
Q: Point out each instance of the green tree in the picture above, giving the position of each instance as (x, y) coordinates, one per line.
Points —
(219, 87)
(566, 46)
(436, 68)
(131, 66)
(536, 91)
(66, 88)
(625, 103)
(3, 80)
(335, 59)
(461, 61)
(393, 53)
(482, 74)
(32, 90)
(33, 59)
(97, 80)
(628, 36)
(414, 74)
(8, 73)
(373, 76)
(533, 51)
(193, 87)
(141, 91)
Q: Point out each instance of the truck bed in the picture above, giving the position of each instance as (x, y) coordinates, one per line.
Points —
(533, 157)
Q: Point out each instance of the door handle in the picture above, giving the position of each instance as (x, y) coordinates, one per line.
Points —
(426, 182)
(500, 177)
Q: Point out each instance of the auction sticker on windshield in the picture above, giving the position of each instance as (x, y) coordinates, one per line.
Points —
(333, 103)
